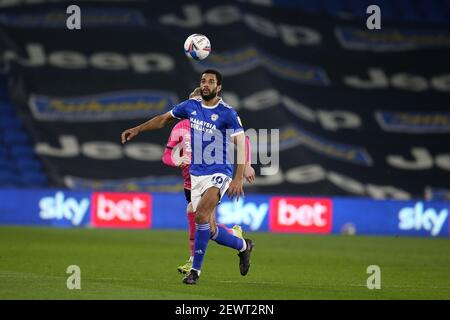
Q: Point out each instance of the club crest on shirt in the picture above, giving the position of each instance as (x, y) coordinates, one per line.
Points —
(214, 117)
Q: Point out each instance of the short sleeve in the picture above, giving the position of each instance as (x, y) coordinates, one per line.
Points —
(235, 123)
(180, 110)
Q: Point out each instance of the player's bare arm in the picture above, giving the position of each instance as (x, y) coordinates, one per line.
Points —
(249, 172)
(236, 186)
(155, 123)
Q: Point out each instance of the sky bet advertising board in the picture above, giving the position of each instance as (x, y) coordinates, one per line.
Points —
(254, 213)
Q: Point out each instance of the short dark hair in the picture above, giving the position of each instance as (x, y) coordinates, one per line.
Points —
(217, 73)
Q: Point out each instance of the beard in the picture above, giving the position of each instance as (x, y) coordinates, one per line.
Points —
(212, 94)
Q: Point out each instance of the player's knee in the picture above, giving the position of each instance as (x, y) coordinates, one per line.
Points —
(201, 217)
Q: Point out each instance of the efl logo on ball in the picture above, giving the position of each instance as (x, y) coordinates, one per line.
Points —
(197, 46)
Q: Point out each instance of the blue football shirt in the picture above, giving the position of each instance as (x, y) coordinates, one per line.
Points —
(211, 131)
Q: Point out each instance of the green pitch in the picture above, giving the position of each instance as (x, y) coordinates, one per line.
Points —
(141, 264)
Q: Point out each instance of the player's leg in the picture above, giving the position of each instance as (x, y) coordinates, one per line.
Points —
(220, 233)
(193, 275)
(191, 221)
(185, 268)
(206, 192)
(203, 211)
(212, 221)
(233, 239)
(225, 236)
(236, 230)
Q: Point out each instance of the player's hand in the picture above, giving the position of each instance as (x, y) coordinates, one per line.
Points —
(185, 161)
(249, 173)
(236, 189)
(129, 134)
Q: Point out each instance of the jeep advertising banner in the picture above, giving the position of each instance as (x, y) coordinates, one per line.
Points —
(359, 112)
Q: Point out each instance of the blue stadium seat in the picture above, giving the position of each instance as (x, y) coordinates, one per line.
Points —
(6, 112)
(12, 137)
(332, 7)
(3, 92)
(354, 8)
(3, 152)
(306, 5)
(8, 178)
(432, 10)
(407, 11)
(33, 179)
(4, 103)
(21, 151)
(7, 165)
(10, 122)
(387, 12)
(29, 164)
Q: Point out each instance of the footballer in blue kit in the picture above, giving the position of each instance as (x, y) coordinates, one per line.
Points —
(209, 123)
(214, 124)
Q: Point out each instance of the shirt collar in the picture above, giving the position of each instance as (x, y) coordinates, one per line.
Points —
(214, 106)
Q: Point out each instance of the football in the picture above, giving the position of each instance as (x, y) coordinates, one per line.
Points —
(197, 46)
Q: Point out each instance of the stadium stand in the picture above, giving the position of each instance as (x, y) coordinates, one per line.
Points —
(19, 166)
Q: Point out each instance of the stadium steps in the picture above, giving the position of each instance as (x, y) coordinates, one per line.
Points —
(19, 166)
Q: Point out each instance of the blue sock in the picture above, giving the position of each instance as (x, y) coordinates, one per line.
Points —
(223, 237)
(202, 234)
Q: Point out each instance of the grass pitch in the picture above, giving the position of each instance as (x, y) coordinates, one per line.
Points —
(141, 264)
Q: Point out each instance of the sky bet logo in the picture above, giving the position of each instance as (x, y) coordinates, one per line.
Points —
(113, 209)
(121, 210)
(248, 213)
(303, 215)
(420, 218)
(61, 207)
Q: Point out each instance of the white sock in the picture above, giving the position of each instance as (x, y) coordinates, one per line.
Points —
(244, 247)
(191, 259)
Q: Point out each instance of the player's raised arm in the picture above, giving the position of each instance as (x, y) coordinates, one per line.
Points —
(154, 123)
(249, 172)
(236, 185)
